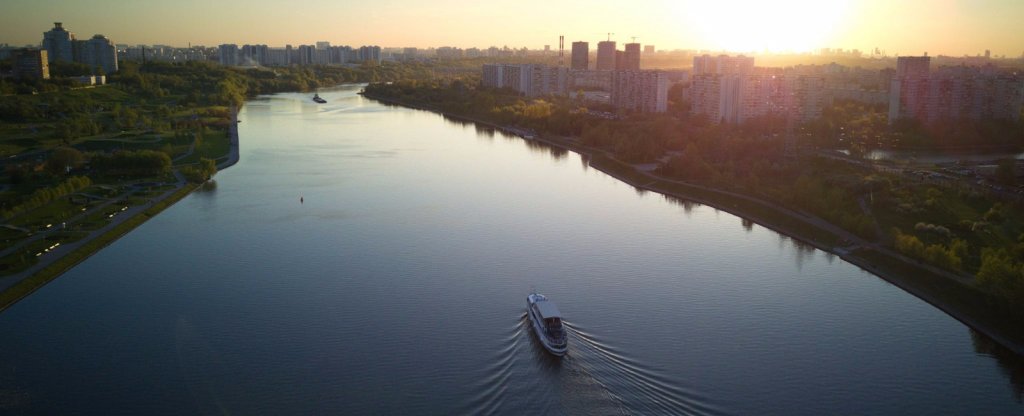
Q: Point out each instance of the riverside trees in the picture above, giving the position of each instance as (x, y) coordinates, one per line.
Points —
(951, 226)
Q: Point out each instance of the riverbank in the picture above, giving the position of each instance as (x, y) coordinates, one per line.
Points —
(952, 293)
(15, 287)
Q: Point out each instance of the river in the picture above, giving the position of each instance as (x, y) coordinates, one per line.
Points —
(369, 259)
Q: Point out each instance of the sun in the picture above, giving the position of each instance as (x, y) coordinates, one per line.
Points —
(777, 26)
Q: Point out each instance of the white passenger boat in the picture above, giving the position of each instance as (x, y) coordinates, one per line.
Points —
(547, 323)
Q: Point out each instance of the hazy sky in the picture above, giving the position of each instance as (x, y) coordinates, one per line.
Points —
(952, 27)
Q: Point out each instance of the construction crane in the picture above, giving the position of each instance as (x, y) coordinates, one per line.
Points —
(610, 36)
(634, 38)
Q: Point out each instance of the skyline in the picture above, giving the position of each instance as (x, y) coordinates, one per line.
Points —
(912, 27)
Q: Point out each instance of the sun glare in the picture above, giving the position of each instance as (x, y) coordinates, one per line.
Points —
(777, 26)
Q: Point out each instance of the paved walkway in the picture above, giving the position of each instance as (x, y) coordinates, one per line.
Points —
(48, 258)
(64, 249)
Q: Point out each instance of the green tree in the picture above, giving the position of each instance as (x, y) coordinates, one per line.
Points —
(63, 159)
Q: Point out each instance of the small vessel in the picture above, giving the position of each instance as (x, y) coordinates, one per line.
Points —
(317, 99)
(547, 323)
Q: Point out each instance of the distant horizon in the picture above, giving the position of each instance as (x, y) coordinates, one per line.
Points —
(952, 28)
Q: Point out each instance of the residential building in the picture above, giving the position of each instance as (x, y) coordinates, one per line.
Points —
(253, 55)
(30, 63)
(549, 80)
(448, 52)
(730, 90)
(304, 55)
(913, 66)
(590, 80)
(58, 43)
(631, 57)
(278, 56)
(518, 77)
(527, 79)
(606, 55)
(722, 64)
(228, 54)
(640, 91)
(98, 52)
(369, 54)
(580, 56)
(953, 93)
(648, 49)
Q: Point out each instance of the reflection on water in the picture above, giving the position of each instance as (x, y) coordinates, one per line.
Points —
(397, 285)
(939, 157)
(747, 224)
(1011, 364)
(208, 186)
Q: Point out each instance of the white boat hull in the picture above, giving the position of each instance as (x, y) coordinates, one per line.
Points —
(538, 329)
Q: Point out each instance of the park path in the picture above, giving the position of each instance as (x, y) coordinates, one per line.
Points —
(53, 255)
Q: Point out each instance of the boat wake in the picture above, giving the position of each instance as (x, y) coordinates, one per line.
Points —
(594, 377)
(492, 390)
(638, 388)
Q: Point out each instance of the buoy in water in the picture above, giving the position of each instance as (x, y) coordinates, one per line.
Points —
(300, 200)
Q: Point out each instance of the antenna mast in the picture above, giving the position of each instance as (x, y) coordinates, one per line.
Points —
(561, 50)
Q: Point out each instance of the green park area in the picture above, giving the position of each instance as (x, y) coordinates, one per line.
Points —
(90, 163)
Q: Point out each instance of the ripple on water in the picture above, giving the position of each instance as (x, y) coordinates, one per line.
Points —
(639, 388)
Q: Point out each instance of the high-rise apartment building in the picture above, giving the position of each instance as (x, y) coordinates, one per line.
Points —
(640, 91)
(953, 93)
(527, 79)
(913, 66)
(580, 56)
(722, 64)
(228, 54)
(908, 91)
(58, 43)
(30, 63)
(369, 54)
(631, 57)
(606, 55)
(730, 90)
(98, 52)
(304, 55)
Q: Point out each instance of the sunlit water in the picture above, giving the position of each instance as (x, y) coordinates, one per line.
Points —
(398, 286)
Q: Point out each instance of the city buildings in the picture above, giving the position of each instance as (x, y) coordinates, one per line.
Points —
(953, 93)
(527, 79)
(164, 53)
(580, 56)
(731, 90)
(631, 57)
(228, 54)
(606, 55)
(58, 43)
(98, 52)
(722, 64)
(640, 91)
(320, 54)
(29, 63)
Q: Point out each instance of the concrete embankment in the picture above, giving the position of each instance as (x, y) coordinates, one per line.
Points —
(54, 263)
(233, 140)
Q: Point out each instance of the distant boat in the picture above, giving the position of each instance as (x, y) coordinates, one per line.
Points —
(317, 99)
(547, 323)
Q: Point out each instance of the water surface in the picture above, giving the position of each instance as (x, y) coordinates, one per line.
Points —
(398, 285)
